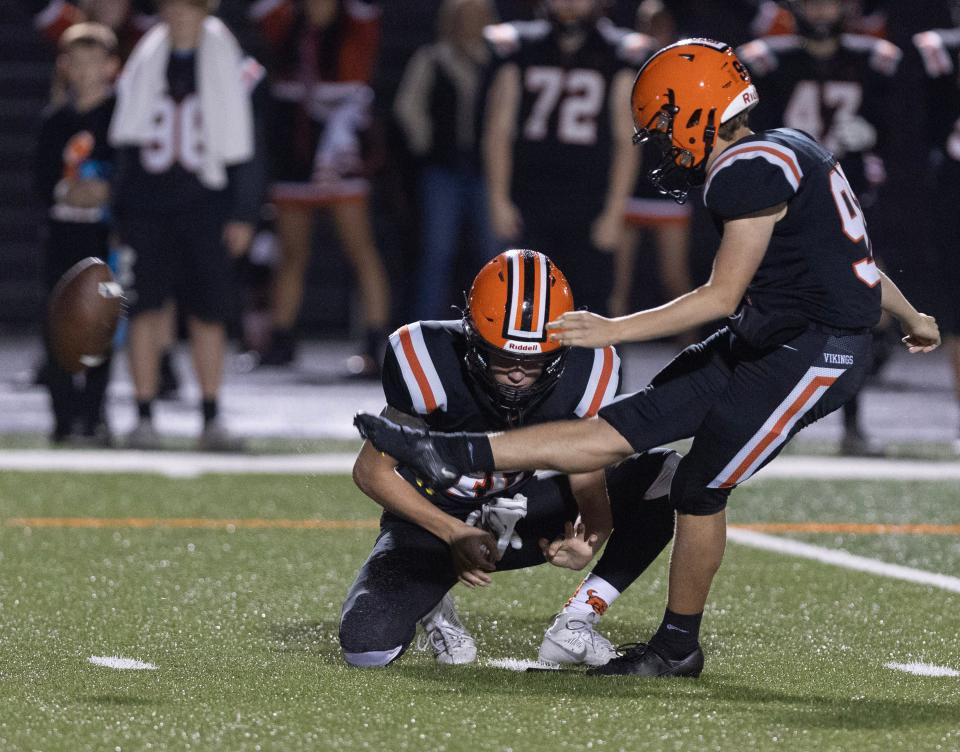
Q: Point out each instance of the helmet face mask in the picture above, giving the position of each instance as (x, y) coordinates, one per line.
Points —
(677, 170)
(509, 304)
(681, 96)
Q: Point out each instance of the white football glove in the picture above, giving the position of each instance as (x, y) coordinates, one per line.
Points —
(500, 517)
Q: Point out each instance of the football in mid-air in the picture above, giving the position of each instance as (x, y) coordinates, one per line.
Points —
(84, 310)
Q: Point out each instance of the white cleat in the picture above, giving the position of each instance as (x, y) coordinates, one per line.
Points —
(444, 633)
(572, 638)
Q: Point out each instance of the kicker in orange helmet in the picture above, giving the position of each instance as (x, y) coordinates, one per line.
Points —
(508, 307)
(681, 96)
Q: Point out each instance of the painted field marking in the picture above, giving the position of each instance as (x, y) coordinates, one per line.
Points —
(123, 664)
(842, 559)
(193, 464)
(522, 664)
(922, 669)
(214, 523)
(856, 528)
(196, 523)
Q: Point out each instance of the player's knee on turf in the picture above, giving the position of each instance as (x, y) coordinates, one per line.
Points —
(369, 637)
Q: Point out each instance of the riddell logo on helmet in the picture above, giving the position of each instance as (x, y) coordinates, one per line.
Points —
(521, 347)
(750, 96)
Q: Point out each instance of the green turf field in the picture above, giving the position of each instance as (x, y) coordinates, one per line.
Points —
(241, 624)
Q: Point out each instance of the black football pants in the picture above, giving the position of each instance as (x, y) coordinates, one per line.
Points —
(740, 405)
(410, 570)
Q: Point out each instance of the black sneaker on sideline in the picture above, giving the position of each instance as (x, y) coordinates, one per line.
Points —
(639, 659)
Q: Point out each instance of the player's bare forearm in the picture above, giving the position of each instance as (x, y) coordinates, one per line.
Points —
(921, 332)
(573, 446)
(745, 241)
(498, 131)
(625, 158)
(374, 474)
(699, 306)
(895, 302)
(590, 491)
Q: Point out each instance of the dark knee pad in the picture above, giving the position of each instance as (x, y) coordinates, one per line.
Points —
(689, 493)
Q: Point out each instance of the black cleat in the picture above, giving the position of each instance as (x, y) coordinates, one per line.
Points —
(639, 659)
(412, 447)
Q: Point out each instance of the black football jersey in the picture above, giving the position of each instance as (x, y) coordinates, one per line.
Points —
(940, 51)
(817, 96)
(563, 136)
(818, 266)
(424, 375)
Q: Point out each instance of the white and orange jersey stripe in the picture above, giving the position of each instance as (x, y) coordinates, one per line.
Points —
(776, 154)
(602, 384)
(776, 429)
(528, 285)
(419, 372)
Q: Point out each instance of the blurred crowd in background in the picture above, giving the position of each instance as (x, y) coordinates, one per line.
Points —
(246, 167)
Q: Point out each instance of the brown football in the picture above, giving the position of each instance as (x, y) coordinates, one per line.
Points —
(84, 310)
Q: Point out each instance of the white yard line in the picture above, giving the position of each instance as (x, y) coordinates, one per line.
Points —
(922, 669)
(122, 664)
(842, 559)
(191, 464)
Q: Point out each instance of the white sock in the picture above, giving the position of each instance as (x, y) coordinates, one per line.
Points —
(594, 594)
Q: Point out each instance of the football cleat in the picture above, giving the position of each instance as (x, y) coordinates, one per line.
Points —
(639, 659)
(412, 447)
(445, 635)
(572, 638)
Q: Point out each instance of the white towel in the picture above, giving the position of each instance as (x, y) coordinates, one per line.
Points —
(226, 112)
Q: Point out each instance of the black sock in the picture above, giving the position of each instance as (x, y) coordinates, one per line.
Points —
(210, 410)
(469, 452)
(145, 409)
(851, 415)
(678, 635)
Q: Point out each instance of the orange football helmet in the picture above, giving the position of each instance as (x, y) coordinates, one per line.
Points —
(682, 94)
(509, 304)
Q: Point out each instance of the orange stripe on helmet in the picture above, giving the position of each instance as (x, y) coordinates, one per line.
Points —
(517, 299)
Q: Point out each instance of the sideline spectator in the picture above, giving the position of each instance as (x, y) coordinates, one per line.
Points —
(648, 210)
(436, 107)
(940, 51)
(322, 54)
(188, 196)
(557, 138)
(73, 170)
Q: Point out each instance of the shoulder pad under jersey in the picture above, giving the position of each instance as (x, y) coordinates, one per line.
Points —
(411, 374)
(762, 56)
(631, 47)
(506, 39)
(882, 56)
(753, 174)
